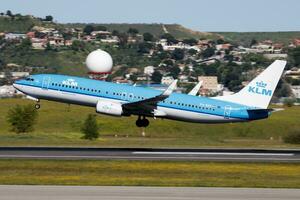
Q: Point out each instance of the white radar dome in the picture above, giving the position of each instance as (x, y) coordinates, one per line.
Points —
(99, 62)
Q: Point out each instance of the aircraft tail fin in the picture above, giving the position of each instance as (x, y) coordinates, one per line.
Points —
(259, 91)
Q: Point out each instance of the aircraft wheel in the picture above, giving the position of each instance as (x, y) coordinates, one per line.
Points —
(139, 123)
(37, 106)
(145, 122)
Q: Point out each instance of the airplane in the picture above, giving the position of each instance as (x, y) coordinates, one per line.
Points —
(250, 103)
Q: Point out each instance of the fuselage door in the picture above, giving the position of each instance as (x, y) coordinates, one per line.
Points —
(46, 82)
(227, 111)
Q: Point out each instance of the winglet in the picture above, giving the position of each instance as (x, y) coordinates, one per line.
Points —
(170, 89)
(196, 89)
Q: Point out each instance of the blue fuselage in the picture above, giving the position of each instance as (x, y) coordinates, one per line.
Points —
(83, 91)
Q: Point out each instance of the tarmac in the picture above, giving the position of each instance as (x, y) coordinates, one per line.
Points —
(21, 192)
(233, 155)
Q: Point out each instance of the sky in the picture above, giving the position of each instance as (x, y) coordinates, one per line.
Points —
(201, 15)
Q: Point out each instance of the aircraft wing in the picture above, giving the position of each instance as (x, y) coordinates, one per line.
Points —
(148, 106)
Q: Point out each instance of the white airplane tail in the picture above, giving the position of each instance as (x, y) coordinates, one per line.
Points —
(259, 91)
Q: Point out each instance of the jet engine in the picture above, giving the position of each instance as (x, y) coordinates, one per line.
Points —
(109, 108)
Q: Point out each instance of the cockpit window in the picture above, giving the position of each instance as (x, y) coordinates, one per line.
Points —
(29, 79)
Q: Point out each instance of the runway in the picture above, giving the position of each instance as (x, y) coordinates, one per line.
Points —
(148, 193)
(239, 155)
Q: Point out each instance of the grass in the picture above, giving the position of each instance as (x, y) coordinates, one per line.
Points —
(149, 173)
(59, 125)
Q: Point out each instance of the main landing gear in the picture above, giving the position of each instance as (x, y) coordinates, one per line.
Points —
(142, 122)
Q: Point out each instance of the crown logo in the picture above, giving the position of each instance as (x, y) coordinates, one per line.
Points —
(261, 84)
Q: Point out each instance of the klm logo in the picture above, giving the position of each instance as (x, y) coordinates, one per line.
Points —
(260, 88)
(70, 82)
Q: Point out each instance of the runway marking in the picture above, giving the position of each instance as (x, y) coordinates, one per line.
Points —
(212, 153)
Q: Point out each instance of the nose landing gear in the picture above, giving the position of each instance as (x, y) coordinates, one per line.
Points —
(142, 122)
(37, 106)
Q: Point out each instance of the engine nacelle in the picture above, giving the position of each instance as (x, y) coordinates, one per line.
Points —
(109, 108)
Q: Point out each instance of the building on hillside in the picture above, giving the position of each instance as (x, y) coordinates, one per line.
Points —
(210, 85)
(38, 43)
(17, 75)
(95, 33)
(223, 46)
(30, 34)
(113, 39)
(183, 78)
(7, 91)
(149, 70)
(15, 36)
(273, 56)
(293, 73)
(296, 42)
(296, 91)
(56, 41)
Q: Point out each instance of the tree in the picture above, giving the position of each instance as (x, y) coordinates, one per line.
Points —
(144, 47)
(295, 55)
(253, 42)
(192, 51)
(208, 52)
(9, 13)
(123, 39)
(90, 128)
(148, 37)
(174, 71)
(170, 38)
(156, 76)
(220, 41)
(77, 45)
(178, 54)
(190, 41)
(49, 18)
(48, 47)
(289, 102)
(100, 28)
(168, 62)
(132, 31)
(115, 33)
(283, 89)
(88, 29)
(22, 118)
(25, 44)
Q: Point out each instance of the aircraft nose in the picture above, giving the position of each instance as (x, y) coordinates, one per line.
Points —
(15, 85)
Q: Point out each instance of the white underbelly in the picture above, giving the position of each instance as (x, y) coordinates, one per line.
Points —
(190, 116)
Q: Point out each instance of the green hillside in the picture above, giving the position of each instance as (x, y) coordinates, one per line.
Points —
(21, 24)
(177, 30)
(245, 38)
